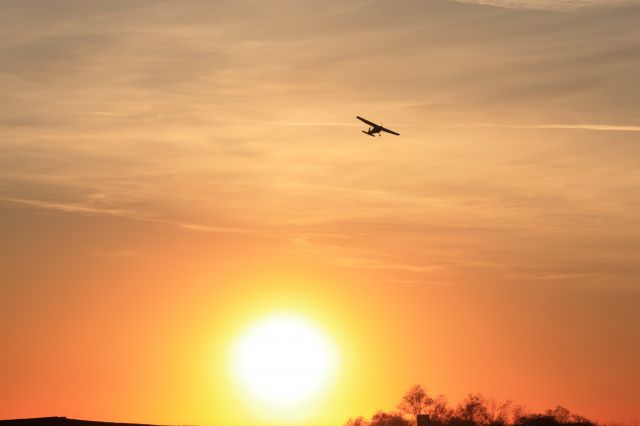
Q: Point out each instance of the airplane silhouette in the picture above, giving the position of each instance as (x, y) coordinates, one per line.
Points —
(375, 128)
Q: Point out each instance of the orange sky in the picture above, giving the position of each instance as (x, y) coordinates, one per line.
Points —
(172, 171)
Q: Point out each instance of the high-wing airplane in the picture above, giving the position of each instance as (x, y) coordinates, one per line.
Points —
(375, 128)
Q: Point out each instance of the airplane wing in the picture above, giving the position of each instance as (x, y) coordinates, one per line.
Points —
(389, 131)
(366, 121)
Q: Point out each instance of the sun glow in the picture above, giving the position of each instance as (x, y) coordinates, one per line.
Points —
(283, 360)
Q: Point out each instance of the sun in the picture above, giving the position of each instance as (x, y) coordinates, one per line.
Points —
(283, 360)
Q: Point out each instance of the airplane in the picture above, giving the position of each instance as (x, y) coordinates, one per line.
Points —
(375, 128)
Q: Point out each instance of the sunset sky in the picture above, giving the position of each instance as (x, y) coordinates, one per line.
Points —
(171, 172)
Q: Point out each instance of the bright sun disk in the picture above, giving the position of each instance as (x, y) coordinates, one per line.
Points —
(283, 360)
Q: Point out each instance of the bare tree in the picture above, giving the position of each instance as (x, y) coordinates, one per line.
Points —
(561, 414)
(498, 411)
(358, 421)
(415, 401)
(389, 419)
(440, 410)
(474, 409)
(518, 414)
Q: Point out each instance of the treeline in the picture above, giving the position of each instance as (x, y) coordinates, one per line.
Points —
(474, 410)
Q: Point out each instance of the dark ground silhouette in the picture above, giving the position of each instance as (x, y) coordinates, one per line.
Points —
(63, 421)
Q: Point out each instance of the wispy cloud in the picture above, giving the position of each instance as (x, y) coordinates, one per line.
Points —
(553, 5)
(596, 127)
(311, 123)
(197, 113)
(123, 213)
(122, 254)
(350, 256)
(556, 276)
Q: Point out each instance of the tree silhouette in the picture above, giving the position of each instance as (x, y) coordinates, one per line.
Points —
(473, 410)
(499, 412)
(440, 411)
(555, 417)
(561, 414)
(415, 401)
(518, 413)
(389, 419)
(358, 421)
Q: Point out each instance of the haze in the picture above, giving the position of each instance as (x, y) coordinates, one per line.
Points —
(170, 171)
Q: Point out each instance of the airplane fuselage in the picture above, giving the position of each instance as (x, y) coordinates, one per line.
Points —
(373, 131)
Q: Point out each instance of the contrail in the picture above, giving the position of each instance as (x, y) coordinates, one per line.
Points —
(596, 127)
(311, 123)
(551, 5)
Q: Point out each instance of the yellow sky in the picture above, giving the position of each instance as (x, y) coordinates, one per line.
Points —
(172, 170)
